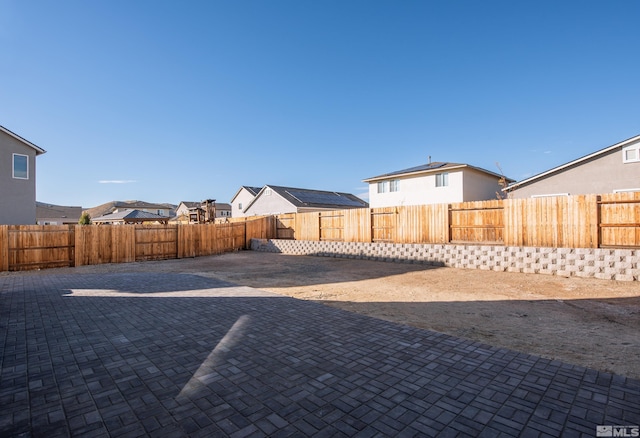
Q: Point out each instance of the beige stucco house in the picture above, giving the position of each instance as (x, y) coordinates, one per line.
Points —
(613, 169)
(17, 179)
(434, 183)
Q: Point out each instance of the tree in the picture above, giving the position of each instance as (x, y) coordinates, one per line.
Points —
(85, 219)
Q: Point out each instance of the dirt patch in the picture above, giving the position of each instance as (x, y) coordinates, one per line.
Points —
(588, 322)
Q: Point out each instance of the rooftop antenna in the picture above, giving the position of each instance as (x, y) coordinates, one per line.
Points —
(429, 160)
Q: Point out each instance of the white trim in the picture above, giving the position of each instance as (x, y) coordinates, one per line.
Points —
(549, 195)
(637, 189)
(13, 166)
(38, 150)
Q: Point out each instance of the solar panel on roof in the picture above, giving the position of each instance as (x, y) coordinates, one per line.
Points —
(434, 165)
(323, 198)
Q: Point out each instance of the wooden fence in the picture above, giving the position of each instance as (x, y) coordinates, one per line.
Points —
(582, 221)
(25, 247)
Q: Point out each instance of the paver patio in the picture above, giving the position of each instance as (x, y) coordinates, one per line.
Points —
(148, 354)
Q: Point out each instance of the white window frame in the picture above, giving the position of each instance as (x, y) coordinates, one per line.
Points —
(13, 166)
(383, 186)
(636, 149)
(267, 192)
(394, 185)
(442, 179)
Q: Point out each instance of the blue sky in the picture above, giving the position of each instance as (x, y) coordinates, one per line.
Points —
(169, 101)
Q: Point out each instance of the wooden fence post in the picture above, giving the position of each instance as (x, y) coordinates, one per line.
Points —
(596, 240)
(4, 248)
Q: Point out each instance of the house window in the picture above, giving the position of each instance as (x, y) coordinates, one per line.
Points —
(442, 179)
(394, 185)
(239, 205)
(631, 154)
(383, 186)
(20, 166)
(267, 192)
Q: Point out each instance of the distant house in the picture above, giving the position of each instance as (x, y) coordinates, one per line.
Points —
(243, 197)
(167, 210)
(17, 179)
(613, 169)
(279, 200)
(49, 214)
(182, 212)
(434, 183)
(122, 217)
(186, 209)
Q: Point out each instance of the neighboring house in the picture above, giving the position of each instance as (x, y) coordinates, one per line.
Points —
(242, 199)
(17, 179)
(434, 183)
(167, 210)
(279, 200)
(186, 209)
(183, 211)
(49, 214)
(129, 217)
(612, 169)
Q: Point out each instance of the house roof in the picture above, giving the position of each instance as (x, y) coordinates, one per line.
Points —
(38, 149)
(108, 207)
(252, 190)
(436, 166)
(219, 205)
(190, 204)
(44, 210)
(131, 216)
(306, 198)
(575, 162)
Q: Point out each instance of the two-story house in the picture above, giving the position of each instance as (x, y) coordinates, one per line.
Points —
(434, 183)
(17, 179)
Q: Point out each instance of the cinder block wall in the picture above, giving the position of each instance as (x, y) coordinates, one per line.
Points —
(608, 264)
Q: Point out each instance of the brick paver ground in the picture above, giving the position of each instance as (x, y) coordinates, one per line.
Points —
(173, 355)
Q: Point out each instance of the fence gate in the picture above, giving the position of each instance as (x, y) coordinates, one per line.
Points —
(43, 246)
(618, 222)
(384, 224)
(332, 226)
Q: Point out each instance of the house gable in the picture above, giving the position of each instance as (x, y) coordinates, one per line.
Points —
(241, 200)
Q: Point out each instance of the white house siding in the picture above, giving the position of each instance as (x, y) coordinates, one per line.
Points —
(419, 190)
(479, 186)
(243, 197)
(270, 204)
(17, 196)
(602, 174)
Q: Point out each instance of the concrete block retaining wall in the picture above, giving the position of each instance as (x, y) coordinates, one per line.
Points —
(608, 264)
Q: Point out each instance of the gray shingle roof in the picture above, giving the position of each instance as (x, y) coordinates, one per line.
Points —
(129, 215)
